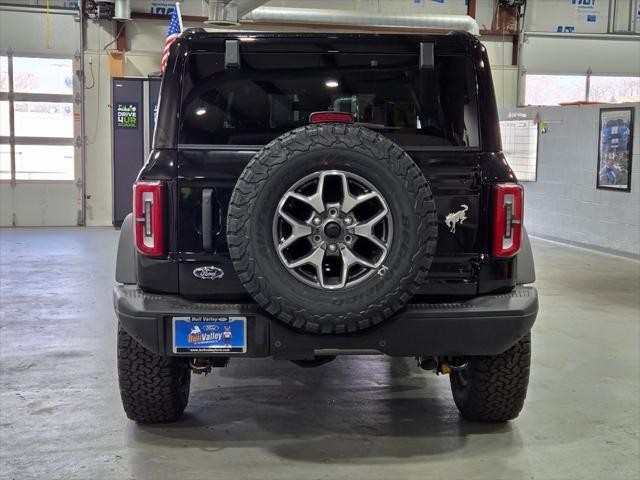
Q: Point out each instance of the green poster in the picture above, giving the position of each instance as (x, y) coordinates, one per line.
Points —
(126, 115)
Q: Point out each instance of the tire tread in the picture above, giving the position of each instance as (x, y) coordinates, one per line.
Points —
(149, 384)
(274, 156)
(497, 385)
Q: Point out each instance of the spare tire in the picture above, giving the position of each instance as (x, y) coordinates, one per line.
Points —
(332, 228)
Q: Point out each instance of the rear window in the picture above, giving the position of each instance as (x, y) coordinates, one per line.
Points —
(273, 93)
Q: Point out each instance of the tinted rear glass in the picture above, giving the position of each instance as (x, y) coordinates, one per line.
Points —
(273, 93)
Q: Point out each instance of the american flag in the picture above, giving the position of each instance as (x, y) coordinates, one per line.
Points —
(172, 34)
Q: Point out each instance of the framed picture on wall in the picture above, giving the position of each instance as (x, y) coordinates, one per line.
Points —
(615, 149)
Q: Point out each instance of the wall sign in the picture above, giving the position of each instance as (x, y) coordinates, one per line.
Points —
(520, 144)
(615, 149)
(126, 115)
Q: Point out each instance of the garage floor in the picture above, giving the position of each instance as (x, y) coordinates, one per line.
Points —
(356, 418)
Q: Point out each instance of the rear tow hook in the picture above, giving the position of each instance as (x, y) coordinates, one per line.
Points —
(202, 365)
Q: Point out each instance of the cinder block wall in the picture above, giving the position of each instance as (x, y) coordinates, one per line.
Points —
(564, 204)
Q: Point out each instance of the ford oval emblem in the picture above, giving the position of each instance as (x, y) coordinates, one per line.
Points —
(208, 273)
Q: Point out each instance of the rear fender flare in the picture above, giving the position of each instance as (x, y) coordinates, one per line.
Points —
(126, 258)
(525, 269)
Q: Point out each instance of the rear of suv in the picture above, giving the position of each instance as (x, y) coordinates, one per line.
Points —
(310, 196)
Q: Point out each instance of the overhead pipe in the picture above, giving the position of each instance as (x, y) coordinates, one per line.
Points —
(245, 6)
(358, 18)
(219, 13)
(122, 10)
(227, 12)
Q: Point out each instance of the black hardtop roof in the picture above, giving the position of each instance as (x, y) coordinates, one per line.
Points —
(200, 39)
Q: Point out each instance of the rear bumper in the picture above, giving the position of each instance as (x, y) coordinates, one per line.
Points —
(485, 325)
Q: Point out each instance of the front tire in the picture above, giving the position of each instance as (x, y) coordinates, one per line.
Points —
(493, 388)
(153, 388)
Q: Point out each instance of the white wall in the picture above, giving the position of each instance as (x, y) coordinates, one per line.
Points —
(98, 126)
(564, 203)
(505, 75)
(144, 41)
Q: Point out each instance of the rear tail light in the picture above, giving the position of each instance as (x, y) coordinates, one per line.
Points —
(323, 117)
(148, 211)
(508, 209)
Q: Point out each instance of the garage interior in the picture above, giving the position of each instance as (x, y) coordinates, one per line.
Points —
(557, 70)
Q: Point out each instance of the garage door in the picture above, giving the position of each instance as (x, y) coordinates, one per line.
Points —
(40, 167)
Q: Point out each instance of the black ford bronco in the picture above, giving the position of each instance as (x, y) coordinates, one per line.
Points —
(315, 195)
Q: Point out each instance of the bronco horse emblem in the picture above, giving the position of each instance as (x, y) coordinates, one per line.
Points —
(453, 218)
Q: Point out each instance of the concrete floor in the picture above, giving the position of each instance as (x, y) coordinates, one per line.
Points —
(356, 418)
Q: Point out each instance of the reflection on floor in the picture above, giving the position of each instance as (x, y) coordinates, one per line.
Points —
(356, 418)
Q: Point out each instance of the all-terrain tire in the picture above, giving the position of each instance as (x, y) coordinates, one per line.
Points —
(153, 388)
(306, 151)
(493, 388)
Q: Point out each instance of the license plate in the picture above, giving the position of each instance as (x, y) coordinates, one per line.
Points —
(209, 334)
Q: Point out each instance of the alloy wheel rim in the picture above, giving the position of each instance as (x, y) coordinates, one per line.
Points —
(333, 230)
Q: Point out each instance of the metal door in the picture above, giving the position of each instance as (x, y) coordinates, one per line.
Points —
(40, 118)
